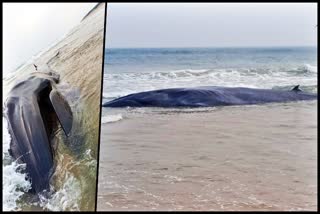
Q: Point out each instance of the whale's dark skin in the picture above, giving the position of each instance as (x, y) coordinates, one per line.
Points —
(33, 109)
(208, 96)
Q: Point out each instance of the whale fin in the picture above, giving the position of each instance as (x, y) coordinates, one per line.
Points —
(62, 110)
(296, 88)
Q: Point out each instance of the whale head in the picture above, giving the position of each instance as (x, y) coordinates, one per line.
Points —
(35, 110)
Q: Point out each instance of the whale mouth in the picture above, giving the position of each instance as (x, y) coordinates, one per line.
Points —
(49, 118)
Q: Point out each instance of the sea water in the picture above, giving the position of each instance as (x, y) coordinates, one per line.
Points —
(140, 69)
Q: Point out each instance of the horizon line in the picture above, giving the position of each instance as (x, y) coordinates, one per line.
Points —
(236, 46)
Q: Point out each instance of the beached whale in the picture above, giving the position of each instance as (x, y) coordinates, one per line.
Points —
(33, 108)
(208, 96)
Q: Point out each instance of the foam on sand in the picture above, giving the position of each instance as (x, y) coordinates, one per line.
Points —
(111, 118)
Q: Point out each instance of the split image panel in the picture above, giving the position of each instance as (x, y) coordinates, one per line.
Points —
(209, 107)
(53, 54)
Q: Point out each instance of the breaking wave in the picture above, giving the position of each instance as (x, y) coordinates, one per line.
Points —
(121, 84)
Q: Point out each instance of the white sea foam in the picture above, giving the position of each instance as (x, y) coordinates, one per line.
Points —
(14, 186)
(14, 183)
(66, 198)
(311, 68)
(111, 118)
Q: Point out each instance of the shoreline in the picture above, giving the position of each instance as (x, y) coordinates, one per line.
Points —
(229, 158)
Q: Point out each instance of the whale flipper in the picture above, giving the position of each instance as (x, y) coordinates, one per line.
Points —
(62, 110)
(296, 88)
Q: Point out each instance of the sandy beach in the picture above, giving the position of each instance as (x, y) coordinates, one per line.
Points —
(260, 157)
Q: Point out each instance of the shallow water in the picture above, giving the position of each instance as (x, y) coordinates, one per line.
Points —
(259, 157)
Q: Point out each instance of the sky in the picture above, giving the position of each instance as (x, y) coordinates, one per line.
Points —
(29, 28)
(211, 25)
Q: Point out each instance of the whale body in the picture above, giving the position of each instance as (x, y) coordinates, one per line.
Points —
(33, 109)
(208, 96)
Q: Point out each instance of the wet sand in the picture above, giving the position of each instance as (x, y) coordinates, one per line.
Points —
(227, 158)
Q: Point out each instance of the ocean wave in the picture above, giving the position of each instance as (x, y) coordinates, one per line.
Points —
(305, 68)
(121, 84)
(111, 118)
(310, 68)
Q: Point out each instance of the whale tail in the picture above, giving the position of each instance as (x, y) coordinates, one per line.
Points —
(296, 88)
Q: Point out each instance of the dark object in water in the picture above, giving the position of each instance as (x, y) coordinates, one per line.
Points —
(208, 96)
(33, 108)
